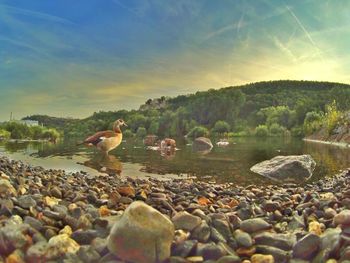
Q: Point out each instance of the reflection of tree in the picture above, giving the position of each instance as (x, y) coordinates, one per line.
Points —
(105, 163)
(16, 146)
(329, 158)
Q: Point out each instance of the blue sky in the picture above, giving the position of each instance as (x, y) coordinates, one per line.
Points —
(71, 58)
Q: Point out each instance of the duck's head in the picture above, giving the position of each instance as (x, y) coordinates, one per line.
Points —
(118, 123)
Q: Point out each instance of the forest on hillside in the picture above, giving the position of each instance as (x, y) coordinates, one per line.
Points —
(274, 108)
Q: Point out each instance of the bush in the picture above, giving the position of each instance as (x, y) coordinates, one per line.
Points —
(198, 131)
(297, 131)
(128, 133)
(221, 127)
(4, 134)
(313, 122)
(141, 132)
(276, 130)
(261, 131)
(332, 117)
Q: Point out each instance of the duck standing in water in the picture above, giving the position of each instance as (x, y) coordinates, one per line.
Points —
(106, 141)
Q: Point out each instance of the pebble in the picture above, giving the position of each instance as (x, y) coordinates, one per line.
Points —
(50, 215)
(186, 221)
(254, 225)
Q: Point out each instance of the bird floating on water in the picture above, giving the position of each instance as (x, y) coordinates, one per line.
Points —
(106, 141)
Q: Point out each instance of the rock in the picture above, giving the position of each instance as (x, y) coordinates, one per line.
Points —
(202, 144)
(294, 167)
(56, 192)
(279, 255)
(343, 218)
(60, 245)
(37, 252)
(260, 258)
(128, 191)
(296, 222)
(142, 234)
(51, 201)
(84, 237)
(254, 225)
(185, 248)
(229, 259)
(210, 251)
(246, 252)
(16, 257)
(66, 230)
(223, 227)
(26, 201)
(87, 254)
(33, 222)
(307, 246)
(281, 241)
(315, 227)
(201, 232)
(12, 236)
(186, 221)
(243, 239)
(6, 188)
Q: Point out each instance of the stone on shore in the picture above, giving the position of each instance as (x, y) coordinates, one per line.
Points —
(293, 167)
(60, 245)
(202, 144)
(186, 221)
(141, 235)
(6, 187)
(254, 225)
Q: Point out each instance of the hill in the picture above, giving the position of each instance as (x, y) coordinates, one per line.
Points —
(278, 106)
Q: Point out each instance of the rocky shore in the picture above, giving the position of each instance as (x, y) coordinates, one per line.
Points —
(53, 216)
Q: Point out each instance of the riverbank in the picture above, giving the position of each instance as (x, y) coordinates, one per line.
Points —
(339, 144)
(51, 215)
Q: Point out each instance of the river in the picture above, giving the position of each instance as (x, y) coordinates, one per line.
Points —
(222, 164)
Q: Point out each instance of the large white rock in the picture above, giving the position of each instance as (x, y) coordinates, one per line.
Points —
(292, 167)
(202, 144)
(141, 235)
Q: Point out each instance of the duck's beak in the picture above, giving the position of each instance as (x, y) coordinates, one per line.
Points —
(125, 124)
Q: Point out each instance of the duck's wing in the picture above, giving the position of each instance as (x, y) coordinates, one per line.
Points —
(98, 137)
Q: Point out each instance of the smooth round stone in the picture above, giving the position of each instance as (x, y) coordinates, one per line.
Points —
(307, 246)
(26, 201)
(343, 218)
(84, 237)
(141, 235)
(61, 245)
(254, 225)
(186, 221)
(242, 238)
(278, 254)
(201, 232)
(260, 258)
(210, 251)
(229, 259)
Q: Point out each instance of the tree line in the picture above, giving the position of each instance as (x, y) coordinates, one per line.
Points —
(275, 108)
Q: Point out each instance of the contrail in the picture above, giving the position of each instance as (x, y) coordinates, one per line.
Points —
(305, 31)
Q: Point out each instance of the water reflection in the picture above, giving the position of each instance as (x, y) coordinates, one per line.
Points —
(105, 163)
(223, 164)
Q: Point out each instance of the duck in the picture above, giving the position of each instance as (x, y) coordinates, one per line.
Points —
(105, 141)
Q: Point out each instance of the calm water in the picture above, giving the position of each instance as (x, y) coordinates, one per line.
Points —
(222, 164)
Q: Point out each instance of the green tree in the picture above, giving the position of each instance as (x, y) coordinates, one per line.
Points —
(198, 131)
(141, 132)
(221, 127)
(261, 131)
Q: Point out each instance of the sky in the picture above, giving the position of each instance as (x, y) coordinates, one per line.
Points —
(69, 58)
